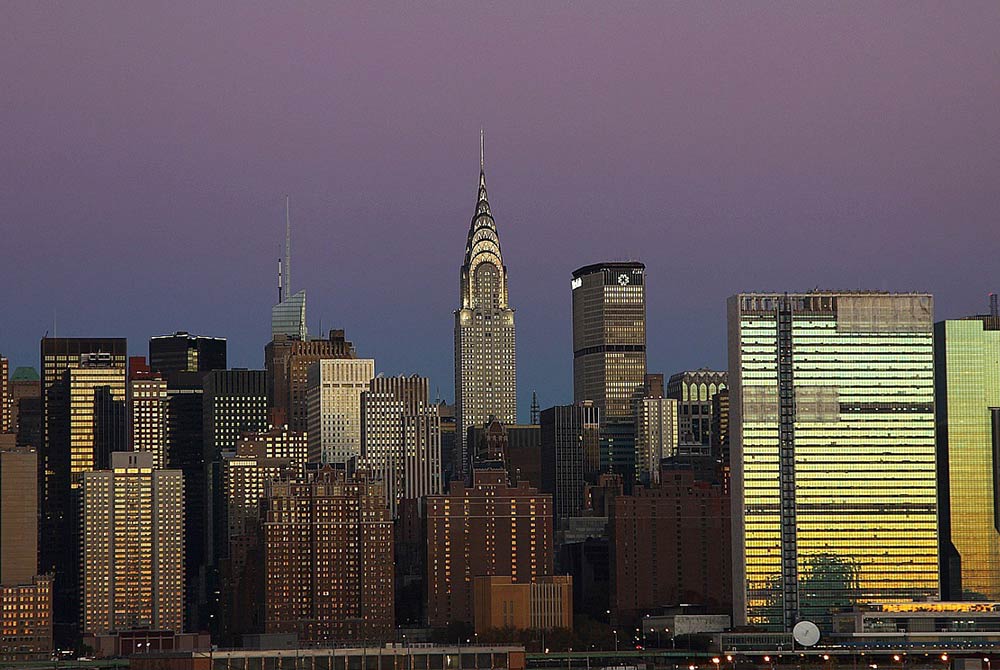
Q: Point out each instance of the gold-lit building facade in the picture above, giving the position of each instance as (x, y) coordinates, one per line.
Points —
(833, 453)
(485, 353)
(132, 554)
(967, 366)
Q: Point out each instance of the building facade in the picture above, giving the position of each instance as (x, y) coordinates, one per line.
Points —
(24, 383)
(146, 411)
(334, 400)
(484, 530)
(543, 603)
(288, 317)
(485, 354)
(570, 445)
(833, 453)
(694, 391)
(656, 436)
(670, 544)
(25, 597)
(183, 352)
(133, 547)
(328, 543)
(609, 336)
(401, 438)
(967, 374)
(287, 361)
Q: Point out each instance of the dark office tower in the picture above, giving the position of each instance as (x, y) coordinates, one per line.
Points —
(328, 559)
(24, 383)
(183, 352)
(694, 390)
(286, 361)
(235, 402)
(489, 529)
(485, 356)
(518, 447)
(450, 450)
(570, 441)
(967, 394)
(26, 615)
(609, 336)
(670, 544)
(81, 378)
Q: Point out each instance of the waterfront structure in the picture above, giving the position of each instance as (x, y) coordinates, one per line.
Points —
(483, 530)
(967, 374)
(670, 544)
(146, 411)
(833, 453)
(609, 336)
(183, 352)
(334, 400)
(655, 436)
(401, 438)
(286, 362)
(570, 445)
(328, 545)
(543, 603)
(133, 547)
(485, 354)
(694, 391)
(259, 458)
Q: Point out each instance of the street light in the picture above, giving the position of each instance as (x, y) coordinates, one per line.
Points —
(616, 639)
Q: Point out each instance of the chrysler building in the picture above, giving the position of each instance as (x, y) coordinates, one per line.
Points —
(485, 366)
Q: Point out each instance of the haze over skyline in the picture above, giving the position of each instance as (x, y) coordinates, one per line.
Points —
(147, 151)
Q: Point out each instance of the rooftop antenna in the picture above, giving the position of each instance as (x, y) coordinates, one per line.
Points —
(280, 297)
(288, 249)
(534, 408)
(994, 309)
(482, 150)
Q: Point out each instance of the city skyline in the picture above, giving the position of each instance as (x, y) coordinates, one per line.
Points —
(696, 146)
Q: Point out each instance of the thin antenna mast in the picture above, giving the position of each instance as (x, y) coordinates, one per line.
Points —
(280, 296)
(288, 250)
(482, 150)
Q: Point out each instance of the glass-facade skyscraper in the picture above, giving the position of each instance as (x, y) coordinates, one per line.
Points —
(833, 453)
(967, 374)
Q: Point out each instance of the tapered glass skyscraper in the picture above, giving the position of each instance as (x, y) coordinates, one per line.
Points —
(833, 454)
(967, 374)
(485, 364)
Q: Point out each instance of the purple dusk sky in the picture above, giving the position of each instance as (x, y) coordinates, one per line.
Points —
(145, 150)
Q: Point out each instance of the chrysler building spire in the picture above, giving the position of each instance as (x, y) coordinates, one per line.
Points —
(485, 366)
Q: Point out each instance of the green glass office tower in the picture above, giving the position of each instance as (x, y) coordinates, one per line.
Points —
(967, 373)
(833, 453)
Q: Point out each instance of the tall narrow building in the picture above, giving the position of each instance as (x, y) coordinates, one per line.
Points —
(133, 547)
(146, 410)
(833, 453)
(967, 376)
(485, 360)
(334, 400)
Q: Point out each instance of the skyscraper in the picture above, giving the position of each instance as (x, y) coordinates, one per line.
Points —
(967, 377)
(833, 453)
(24, 383)
(5, 400)
(183, 352)
(609, 336)
(286, 362)
(133, 547)
(26, 614)
(485, 359)
(570, 442)
(146, 411)
(288, 317)
(401, 438)
(483, 530)
(334, 396)
(655, 436)
(694, 391)
(328, 543)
